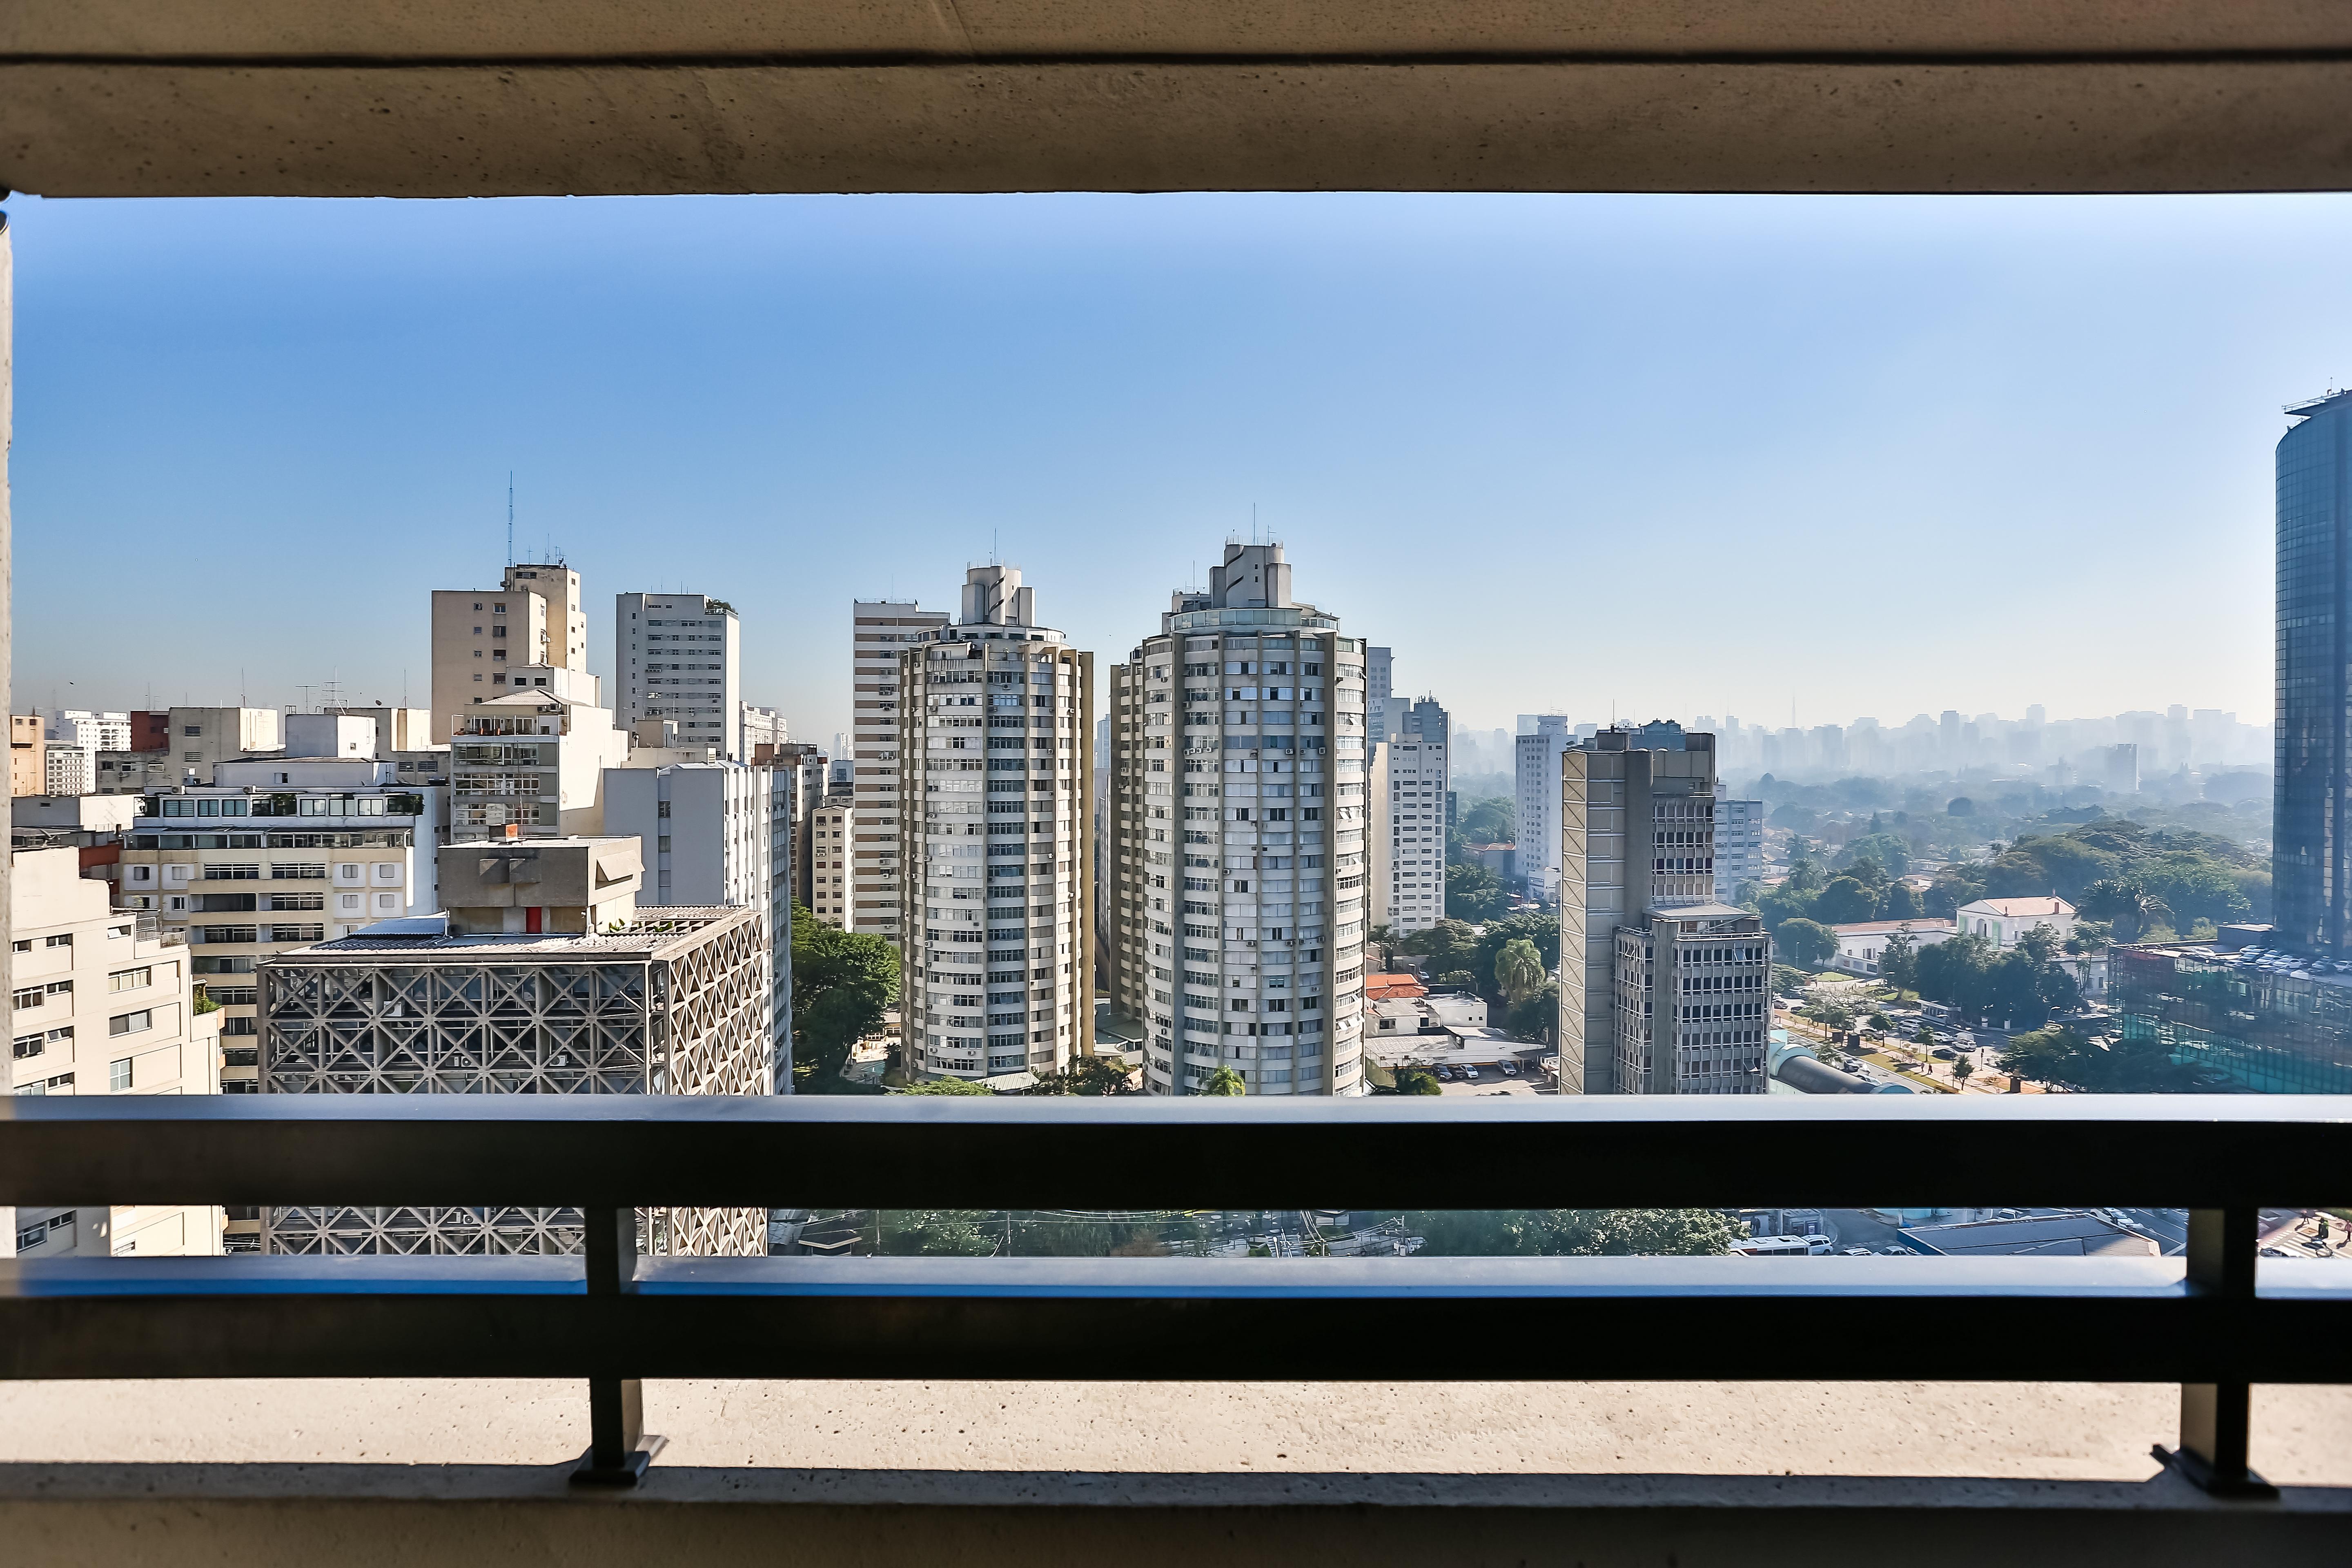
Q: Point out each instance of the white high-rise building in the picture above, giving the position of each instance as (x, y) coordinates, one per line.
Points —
(881, 629)
(1740, 847)
(1537, 771)
(1238, 857)
(1411, 773)
(99, 732)
(678, 657)
(996, 779)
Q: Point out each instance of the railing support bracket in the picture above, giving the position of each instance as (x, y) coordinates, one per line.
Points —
(618, 1449)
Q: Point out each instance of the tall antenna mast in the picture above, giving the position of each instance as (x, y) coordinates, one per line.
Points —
(510, 518)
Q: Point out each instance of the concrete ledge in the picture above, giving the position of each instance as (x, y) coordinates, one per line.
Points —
(162, 1516)
(111, 128)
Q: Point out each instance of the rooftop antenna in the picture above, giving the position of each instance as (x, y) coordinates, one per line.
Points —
(509, 520)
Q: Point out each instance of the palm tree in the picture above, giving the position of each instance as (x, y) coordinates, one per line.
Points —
(1518, 970)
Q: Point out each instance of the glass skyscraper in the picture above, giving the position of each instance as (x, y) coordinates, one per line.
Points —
(2311, 866)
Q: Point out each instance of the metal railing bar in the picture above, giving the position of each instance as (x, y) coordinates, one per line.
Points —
(608, 1151)
(1710, 1329)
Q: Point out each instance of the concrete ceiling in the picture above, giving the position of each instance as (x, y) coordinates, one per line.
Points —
(456, 98)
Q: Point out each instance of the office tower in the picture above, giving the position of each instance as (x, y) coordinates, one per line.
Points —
(996, 776)
(678, 657)
(2311, 815)
(1378, 671)
(1536, 784)
(1740, 847)
(271, 855)
(1409, 791)
(102, 1005)
(1637, 830)
(585, 997)
(707, 833)
(1692, 986)
(882, 629)
(1238, 853)
(481, 639)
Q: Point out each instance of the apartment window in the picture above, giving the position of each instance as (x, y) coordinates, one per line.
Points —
(348, 902)
(117, 1075)
(193, 729)
(131, 1023)
(131, 979)
(24, 946)
(64, 938)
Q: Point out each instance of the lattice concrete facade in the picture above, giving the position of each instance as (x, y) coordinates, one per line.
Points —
(675, 1005)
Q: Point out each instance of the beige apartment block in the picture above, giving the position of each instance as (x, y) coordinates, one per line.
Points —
(396, 729)
(481, 639)
(831, 835)
(996, 776)
(103, 1005)
(27, 771)
(532, 760)
(881, 628)
(1237, 869)
(274, 855)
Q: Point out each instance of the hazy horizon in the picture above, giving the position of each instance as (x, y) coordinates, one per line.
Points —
(1683, 455)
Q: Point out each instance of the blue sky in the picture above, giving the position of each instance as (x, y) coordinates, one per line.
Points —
(1682, 455)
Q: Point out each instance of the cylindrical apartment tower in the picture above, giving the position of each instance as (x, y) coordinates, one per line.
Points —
(995, 790)
(1237, 844)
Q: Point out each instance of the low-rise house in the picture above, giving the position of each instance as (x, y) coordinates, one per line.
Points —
(2004, 922)
(1862, 943)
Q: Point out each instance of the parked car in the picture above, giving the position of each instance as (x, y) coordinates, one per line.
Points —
(1444, 1073)
(1859, 1252)
(1511, 1069)
(1470, 1072)
(1944, 1053)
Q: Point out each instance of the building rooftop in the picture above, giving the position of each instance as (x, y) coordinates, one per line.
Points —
(1708, 912)
(1873, 928)
(2020, 909)
(2062, 1235)
(426, 939)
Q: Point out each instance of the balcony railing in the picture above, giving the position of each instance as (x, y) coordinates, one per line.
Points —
(2214, 1321)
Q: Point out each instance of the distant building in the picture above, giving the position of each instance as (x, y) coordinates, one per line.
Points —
(68, 769)
(200, 738)
(832, 836)
(1411, 773)
(2003, 921)
(1380, 665)
(1740, 847)
(99, 732)
(102, 1005)
(2121, 776)
(678, 657)
(1537, 757)
(762, 727)
(881, 629)
(2079, 1233)
(28, 772)
(1862, 943)
(533, 761)
(2311, 857)
(1637, 833)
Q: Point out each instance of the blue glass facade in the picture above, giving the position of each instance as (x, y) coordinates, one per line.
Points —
(2308, 856)
(2252, 1031)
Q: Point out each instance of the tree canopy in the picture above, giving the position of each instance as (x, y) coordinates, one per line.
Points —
(841, 985)
(1557, 1233)
(1086, 1075)
(2066, 1057)
(1225, 1084)
(1475, 893)
(1806, 941)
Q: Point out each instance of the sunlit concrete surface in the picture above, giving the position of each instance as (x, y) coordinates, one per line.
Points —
(2303, 1436)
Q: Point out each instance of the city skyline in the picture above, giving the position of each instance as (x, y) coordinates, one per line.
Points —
(1937, 421)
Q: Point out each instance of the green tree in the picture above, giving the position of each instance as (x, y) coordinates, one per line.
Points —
(963, 1086)
(1417, 1081)
(1899, 902)
(1518, 970)
(1475, 893)
(1963, 1069)
(1925, 1037)
(1559, 1233)
(1885, 850)
(936, 1233)
(1536, 1015)
(1844, 901)
(2065, 1055)
(1806, 941)
(1448, 944)
(841, 985)
(1804, 873)
(1898, 961)
(1492, 820)
(1224, 1083)
(1086, 1075)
